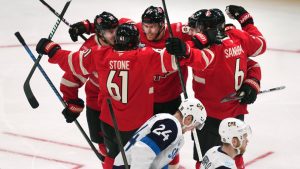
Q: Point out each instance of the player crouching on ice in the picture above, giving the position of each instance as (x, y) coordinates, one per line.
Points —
(234, 136)
(158, 141)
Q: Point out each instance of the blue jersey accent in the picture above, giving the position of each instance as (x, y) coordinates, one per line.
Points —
(151, 144)
(163, 133)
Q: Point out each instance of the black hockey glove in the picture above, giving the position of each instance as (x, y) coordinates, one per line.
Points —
(177, 47)
(79, 28)
(240, 14)
(47, 47)
(249, 90)
(73, 110)
(205, 39)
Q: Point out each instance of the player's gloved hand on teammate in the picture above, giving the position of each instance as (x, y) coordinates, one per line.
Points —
(240, 14)
(177, 47)
(229, 26)
(73, 109)
(206, 38)
(47, 47)
(249, 90)
(79, 28)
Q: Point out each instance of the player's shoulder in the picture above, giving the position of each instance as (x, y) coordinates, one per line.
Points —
(168, 121)
(216, 157)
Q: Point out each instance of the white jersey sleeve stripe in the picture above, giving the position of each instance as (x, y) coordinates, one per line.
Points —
(81, 78)
(258, 51)
(68, 83)
(84, 71)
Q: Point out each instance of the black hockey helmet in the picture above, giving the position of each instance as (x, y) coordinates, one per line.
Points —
(194, 17)
(104, 21)
(127, 37)
(211, 18)
(153, 15)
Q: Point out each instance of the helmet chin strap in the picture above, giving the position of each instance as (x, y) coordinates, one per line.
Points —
(159, 32)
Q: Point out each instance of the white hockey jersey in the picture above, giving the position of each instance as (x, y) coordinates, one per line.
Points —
(154, 144)
(215, 158)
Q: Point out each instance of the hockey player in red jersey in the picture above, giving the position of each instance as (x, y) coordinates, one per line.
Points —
(231, 71)
(105, 25)
(153, 33)
(125, 74)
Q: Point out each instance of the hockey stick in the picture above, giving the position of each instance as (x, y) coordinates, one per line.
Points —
(20, 38)
(176, 59)
(197, 144)
(233, 96)
(27, 89)
(22, 41)
(117, 131)
(57, 14)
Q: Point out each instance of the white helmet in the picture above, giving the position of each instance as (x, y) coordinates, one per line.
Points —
(196, 109)
(232, 127)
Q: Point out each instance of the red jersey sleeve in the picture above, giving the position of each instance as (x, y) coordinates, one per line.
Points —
(254, 70)
(69, 86)
(79, 63)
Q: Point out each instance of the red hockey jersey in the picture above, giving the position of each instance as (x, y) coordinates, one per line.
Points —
(229, 69)
(168, 81)
(70, 82)
(127, 77)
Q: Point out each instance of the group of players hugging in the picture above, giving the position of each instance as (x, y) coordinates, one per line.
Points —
(134, 65)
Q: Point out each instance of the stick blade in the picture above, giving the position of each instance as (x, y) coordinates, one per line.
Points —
(29, 95)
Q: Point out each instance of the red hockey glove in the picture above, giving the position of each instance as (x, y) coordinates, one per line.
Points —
(240, 14)
(79, 28)
(73, 110)
(47, 47)
(249, 90)
(177, 47)
(208, 37)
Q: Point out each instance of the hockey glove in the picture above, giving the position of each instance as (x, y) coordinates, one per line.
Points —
(79, 28)
(177, 47)
(249, 90)
(73, 110)
(240, 14)
(47, 47)
(205, 39)
(229, 26)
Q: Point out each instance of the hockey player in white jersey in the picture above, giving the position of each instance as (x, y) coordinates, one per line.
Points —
(234, 136)
(158, 141)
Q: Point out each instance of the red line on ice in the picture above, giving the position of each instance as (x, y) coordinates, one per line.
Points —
(46, 140)
(259, 158)
(76, 166)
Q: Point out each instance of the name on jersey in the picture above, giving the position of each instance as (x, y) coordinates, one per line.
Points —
(119, 64)
(234, 51)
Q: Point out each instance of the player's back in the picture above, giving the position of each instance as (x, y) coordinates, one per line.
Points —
(215, 158)
(224, 76)
(165, 127)
(127, 76)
